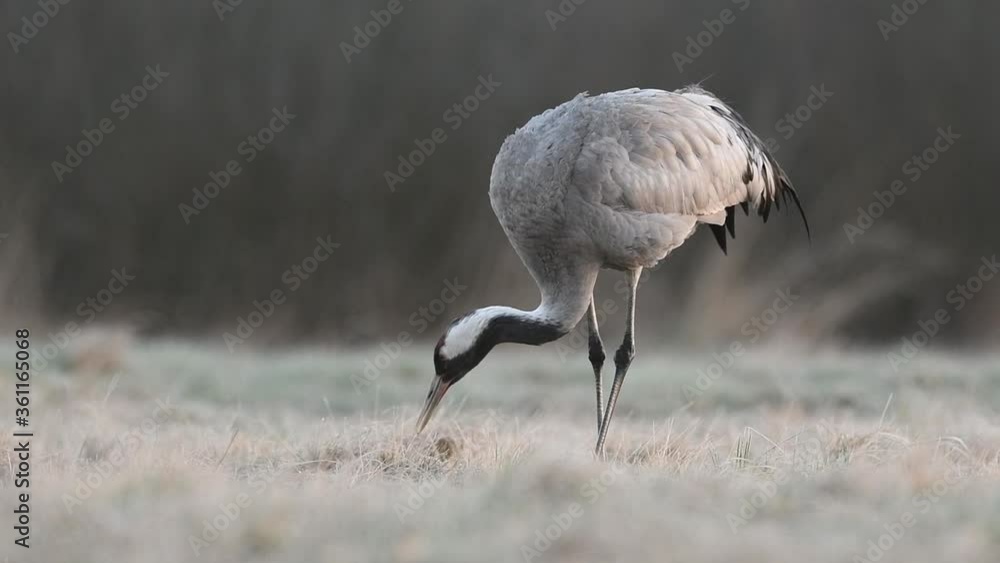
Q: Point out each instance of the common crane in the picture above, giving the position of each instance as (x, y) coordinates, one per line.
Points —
(617, 181)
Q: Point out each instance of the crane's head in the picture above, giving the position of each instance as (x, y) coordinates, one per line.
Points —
(468, 340)
(464, 344)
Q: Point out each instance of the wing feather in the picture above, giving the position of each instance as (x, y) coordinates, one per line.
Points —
(683, 152)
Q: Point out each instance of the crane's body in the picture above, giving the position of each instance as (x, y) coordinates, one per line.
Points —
(614, 181)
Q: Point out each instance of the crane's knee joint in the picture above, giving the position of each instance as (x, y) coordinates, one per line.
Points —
(596, 351)
(597, 356)
(624, 355)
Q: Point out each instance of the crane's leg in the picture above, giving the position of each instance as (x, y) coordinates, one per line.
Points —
(596, 359)
(623, 358)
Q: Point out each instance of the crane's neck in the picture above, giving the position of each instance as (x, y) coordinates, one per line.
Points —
(563, 305)
(470, 338)
(507, 324)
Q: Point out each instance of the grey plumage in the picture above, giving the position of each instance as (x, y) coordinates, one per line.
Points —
(618, 181)
(624, 177)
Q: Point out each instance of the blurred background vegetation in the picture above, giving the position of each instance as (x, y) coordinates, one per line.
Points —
(325, 174)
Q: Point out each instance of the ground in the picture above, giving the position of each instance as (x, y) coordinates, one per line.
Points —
(167, 452)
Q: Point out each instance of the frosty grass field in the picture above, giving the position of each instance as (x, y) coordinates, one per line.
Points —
(163, 452)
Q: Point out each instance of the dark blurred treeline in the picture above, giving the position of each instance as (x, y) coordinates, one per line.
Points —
(325, 173)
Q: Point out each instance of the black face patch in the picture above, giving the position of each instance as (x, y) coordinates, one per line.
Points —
(439, 361)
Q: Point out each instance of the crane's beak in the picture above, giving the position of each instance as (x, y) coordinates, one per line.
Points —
(434, 396)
